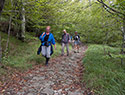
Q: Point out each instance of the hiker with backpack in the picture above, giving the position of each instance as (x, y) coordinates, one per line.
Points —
(76, 42)
(47, 39)
(65, 42)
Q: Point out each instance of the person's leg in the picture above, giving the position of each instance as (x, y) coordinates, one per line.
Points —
(47, 61)
(78, 48)
(63, 49)
(67, 48)
(75, 47)
(43, 51)
(48, 50)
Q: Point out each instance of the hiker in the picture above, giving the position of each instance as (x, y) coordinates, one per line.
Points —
(65, 42)
(47, 39)
(76, 42)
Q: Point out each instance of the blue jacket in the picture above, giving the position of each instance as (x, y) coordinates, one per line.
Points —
(50, 39)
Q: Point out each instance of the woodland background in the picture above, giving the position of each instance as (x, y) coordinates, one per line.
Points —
(100, 23)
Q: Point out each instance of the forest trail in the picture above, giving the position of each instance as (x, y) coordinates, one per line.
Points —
(63, 76)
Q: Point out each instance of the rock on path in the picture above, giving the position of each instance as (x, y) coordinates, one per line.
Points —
(62, 77)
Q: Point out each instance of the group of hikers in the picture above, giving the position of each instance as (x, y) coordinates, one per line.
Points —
(47, 39)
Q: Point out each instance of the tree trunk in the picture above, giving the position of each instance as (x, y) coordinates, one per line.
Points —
(123, 41)
(22, 30)
(7, 44)
(1, 5)
(0, 48)
(89, 2)
(23, 23)
(21, 33)
(10, 21)
(1, 8)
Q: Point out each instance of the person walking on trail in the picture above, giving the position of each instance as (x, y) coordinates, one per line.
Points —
(76, 42)
(47, 39)
(65, 42)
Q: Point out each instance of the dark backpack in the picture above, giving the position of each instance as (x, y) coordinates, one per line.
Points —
(77, 37)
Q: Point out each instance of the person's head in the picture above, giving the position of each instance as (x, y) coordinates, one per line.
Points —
(64, 31)
(76, 32)
(48, 29)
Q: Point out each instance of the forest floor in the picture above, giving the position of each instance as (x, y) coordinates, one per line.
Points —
(63, 76)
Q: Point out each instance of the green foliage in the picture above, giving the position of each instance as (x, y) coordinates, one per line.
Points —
(93, 23)
(104, 76)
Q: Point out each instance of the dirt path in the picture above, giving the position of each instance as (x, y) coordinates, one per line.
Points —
(63, 76)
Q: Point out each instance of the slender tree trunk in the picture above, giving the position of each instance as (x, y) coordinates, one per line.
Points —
(7, 44)
(123, 41)
(10, 21)
(23, 22)
(1, 5)
(1, 8)
(0, 49)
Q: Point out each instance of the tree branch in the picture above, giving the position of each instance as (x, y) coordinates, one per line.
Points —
(108, 10)
(101, 1)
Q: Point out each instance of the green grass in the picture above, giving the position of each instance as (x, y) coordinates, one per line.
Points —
(2, 72)
(104, 75)
(21, 53)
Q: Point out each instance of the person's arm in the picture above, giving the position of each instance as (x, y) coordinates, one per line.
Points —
(53, 41)
(41, 35)
(79, 37)
(55, 46)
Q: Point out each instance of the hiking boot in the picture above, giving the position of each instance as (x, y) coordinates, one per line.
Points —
(47, 60)
(74, 51)
(62, 54)
(46, 64)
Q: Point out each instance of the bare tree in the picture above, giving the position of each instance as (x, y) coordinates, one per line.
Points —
(10, 21)
(1, 8)
(7, 44)
(0, 48)
(23, 22)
